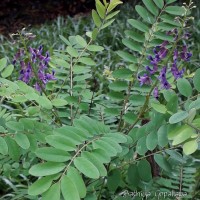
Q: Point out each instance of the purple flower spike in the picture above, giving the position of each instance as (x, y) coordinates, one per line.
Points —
(156, 93)
(164, 83)
(185, 55)
(145, 79)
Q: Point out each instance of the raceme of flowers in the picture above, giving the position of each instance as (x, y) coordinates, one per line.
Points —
(160, 52)
(37, 66)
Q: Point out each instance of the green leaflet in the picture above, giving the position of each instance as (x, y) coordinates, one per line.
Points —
(151, 6)
(74, 175)
(22, 140)
(144, 170)
(178, 117)
(3, 63)
(146, 16)
(69, 190)
(138, 25)
(190, 147)
(7, 71)
(141, 147)
(196, 80)
(118, 85)
(133, 175)
(152, 140)
(159, 3)
(175, 10)
(184, 87)
(162, 162)
(40, 186)
(95, 161)
(96, 18)
(52, 193)
(61, 142)
(127, 56)
(86, 167)
(3, 146)
(47, 168)
(132, 45)
(114, 178)
(52, 154)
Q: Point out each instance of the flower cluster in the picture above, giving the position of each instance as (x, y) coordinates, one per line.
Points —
(35, 68)
(160, 52)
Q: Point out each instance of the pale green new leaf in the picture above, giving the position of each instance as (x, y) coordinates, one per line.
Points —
(95, 48)
(72, 51)
(190, 147)
(96, 18)
(100, 8)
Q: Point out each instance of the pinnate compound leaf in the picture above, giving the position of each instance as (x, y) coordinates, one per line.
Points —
(69, 190)
(40, 186)
(52, 193)
(3, 146)
(52, 154)
(47, 168)
(178, 117)
(190, 147)
(86, 167)
(74, 175)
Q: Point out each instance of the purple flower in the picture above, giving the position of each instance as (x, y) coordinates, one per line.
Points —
(185, 55)
(163, 80)
(173, 32)
(174, 69)
(156, 93)
(26, 72)
(145, 79)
